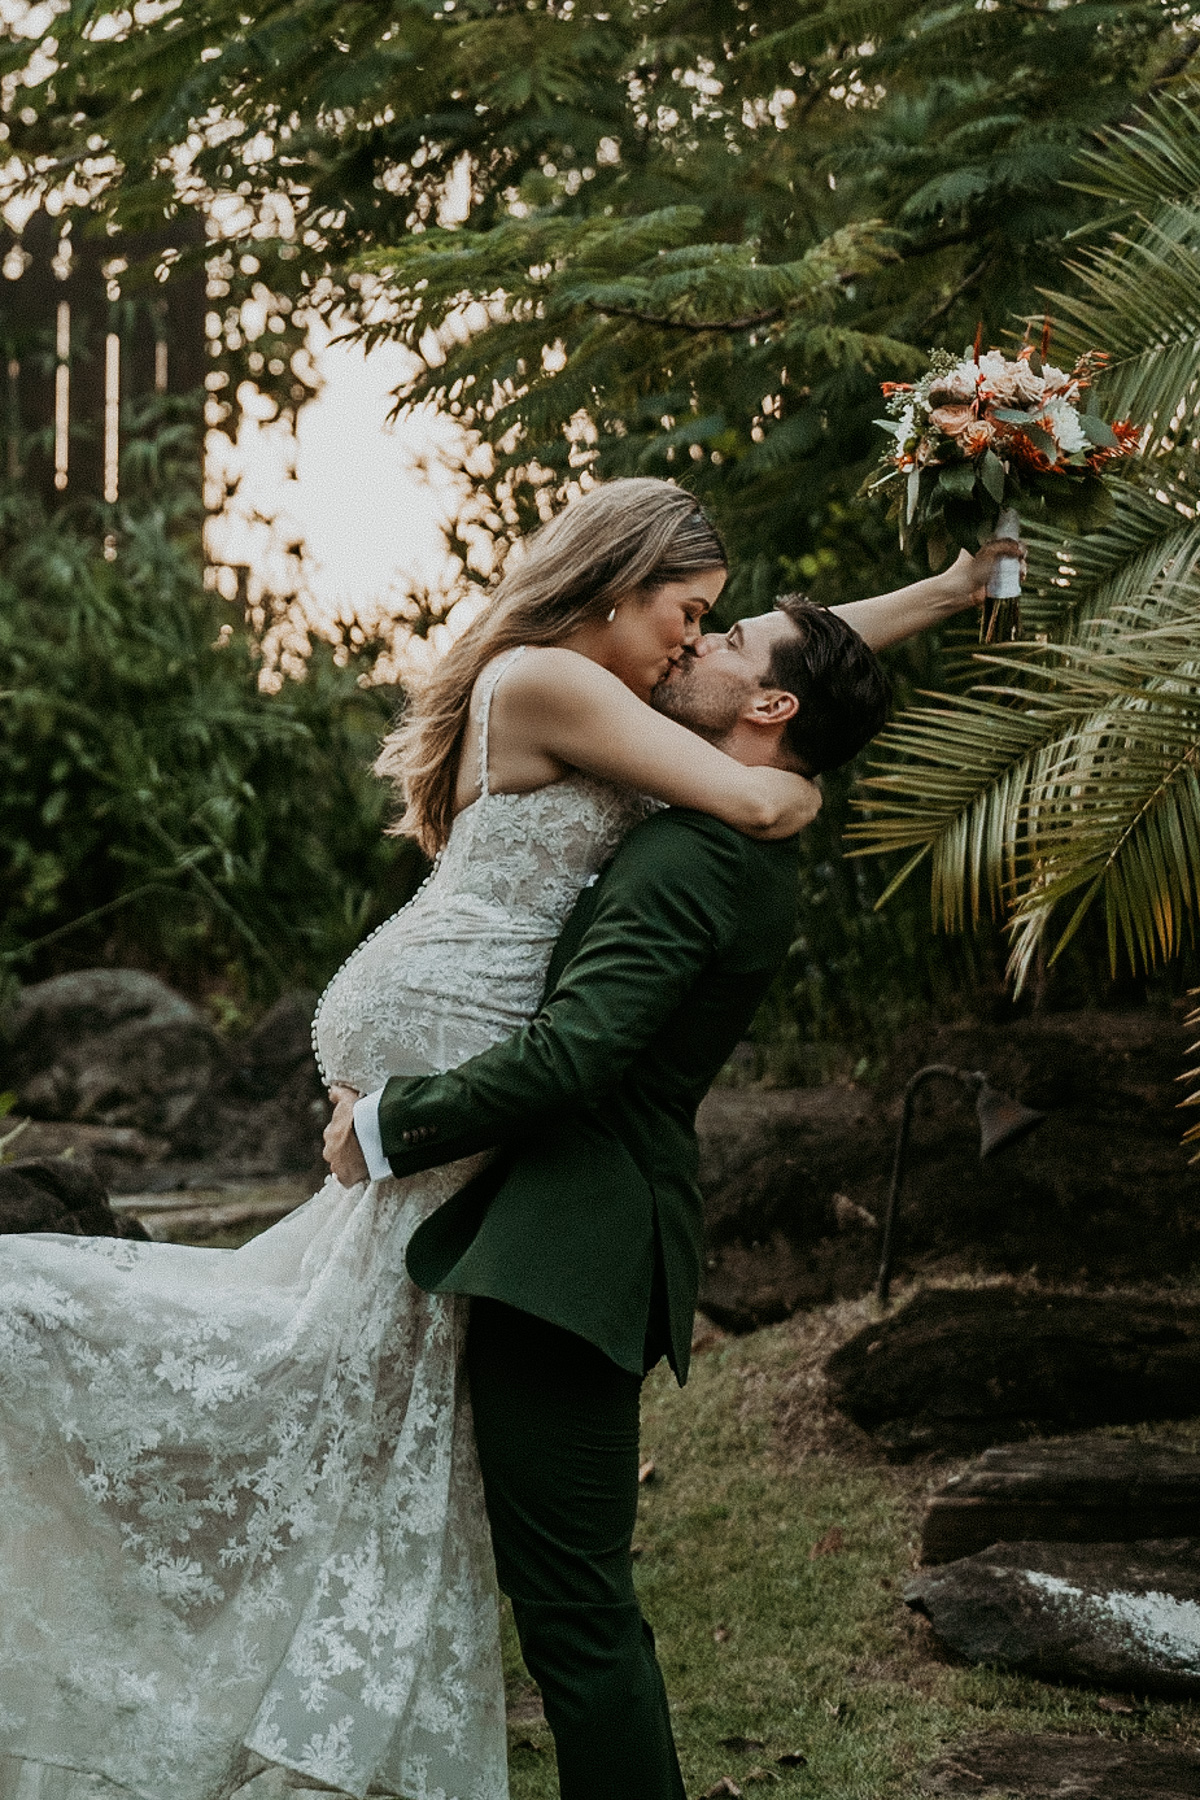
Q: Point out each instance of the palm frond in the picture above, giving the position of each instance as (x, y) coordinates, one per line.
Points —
(1149, 546)
(1114, 818)
(1192, 1134)
(1142, 303)
(1069, 779)
(958, 796)
(1153, 163)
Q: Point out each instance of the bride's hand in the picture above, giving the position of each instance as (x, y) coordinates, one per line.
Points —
(790, 802)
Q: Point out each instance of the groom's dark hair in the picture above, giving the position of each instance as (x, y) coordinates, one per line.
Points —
(843, 690)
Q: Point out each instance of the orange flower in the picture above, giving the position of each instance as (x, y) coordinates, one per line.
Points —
(1027, 452)
(889, 388)
(1128, 439)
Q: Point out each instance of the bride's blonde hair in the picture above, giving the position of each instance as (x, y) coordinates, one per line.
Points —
(621, 540)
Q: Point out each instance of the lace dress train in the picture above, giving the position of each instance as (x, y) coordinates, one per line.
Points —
(242, 1522)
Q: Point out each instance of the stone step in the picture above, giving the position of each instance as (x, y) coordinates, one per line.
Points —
(1048, 1765)
(1089, 1489)
(1117, 1615)
(966, 1368)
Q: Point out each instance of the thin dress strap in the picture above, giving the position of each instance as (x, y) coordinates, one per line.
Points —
(492, 678)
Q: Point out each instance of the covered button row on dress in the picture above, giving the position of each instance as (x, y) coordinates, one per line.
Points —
(357, 951)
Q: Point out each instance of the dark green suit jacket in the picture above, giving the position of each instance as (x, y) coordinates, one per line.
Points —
(591, 1216)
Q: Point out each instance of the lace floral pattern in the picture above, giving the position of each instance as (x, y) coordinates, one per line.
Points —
(242, 1520)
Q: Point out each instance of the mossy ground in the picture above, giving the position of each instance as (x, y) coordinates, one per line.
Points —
(761, 1638)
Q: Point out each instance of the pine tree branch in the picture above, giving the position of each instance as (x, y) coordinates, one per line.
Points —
(966, 282)
(1178, 62)
(673, 324)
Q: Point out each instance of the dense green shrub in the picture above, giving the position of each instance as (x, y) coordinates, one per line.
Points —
(156, 807)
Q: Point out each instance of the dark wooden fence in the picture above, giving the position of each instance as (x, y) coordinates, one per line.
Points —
(78, 347)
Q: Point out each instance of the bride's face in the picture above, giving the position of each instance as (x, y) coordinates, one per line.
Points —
(651, 632)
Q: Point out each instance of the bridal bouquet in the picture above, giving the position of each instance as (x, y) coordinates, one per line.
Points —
(980, 440)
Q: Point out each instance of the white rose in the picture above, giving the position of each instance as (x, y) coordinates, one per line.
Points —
(1060, 386)
(1061, 420)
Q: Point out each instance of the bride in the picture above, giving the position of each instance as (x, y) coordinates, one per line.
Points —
(242, 1525)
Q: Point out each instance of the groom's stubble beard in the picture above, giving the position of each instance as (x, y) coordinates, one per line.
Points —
(707, 702)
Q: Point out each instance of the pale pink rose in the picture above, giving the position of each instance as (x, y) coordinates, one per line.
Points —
(959, 384)
(1060, 384)
(953, 420)
(1001, 379)
(976, 440)
(1029, 387)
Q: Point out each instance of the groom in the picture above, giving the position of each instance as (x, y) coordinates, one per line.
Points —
(580, 1243)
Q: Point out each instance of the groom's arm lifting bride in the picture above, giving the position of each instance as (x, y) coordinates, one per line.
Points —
(580, 1244)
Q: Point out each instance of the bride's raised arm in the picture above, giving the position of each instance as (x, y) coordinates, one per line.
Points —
(565, 707)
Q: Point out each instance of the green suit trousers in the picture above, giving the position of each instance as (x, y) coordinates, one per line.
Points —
(556, 1423)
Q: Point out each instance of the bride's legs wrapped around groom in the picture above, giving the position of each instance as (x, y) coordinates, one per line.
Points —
(556, 1423)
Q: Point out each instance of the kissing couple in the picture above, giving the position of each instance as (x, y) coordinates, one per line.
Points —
(256, 1501)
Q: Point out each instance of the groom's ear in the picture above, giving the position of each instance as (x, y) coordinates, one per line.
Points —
(771, 707)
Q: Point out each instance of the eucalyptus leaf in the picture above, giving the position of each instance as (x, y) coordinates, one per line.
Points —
(958, 480)
(991, 474)
(1041, 440)
(1098, 432)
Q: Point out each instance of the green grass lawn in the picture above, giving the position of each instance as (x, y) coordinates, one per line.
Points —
(760, 1638)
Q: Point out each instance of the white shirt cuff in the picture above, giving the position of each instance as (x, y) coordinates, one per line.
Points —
(370, 1139)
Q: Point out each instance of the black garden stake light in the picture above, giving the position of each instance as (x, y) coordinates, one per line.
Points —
(1002, 1120)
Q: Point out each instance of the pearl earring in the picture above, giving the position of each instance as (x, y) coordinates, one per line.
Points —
(612, 615)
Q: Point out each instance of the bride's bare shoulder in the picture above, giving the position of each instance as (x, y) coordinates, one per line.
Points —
(541, 673)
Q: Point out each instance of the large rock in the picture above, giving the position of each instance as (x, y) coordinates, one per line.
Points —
(777, 1169)
(57, 1195)
(958, 1369)
(118, 1154)
(1120, 1615)
(1054, 1766)
(109, 1047)
(1100, 1195)
(1086, 1490)
(266, 1111)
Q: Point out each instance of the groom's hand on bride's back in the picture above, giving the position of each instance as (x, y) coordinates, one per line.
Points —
(342, 1150)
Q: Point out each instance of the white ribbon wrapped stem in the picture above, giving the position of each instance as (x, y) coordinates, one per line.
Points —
(1004, 583)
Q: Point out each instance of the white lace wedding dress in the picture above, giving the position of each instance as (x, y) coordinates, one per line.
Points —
(241, 1522)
